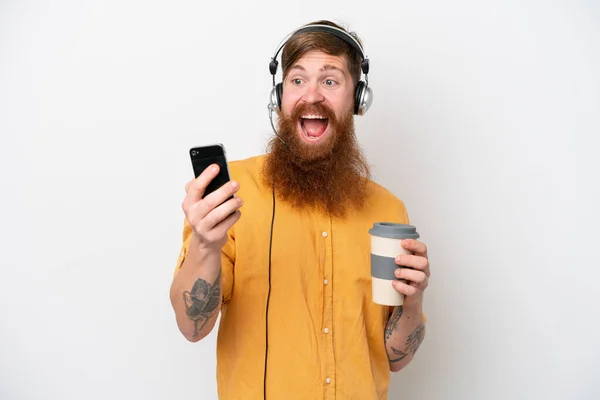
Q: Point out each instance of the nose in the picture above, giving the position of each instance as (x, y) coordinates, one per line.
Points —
(313, 94)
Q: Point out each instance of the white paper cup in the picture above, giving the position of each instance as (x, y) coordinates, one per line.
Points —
(386, 244)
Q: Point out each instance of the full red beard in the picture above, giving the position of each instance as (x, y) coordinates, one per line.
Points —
(331, 175)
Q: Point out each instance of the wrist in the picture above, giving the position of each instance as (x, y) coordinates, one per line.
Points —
(412, 306)
(202, 254)
(202, 250)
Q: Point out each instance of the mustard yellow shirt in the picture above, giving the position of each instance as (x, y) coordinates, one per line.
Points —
(326, 336)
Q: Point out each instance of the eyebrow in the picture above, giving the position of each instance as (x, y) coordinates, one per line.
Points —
(326, 67)
(329, 67)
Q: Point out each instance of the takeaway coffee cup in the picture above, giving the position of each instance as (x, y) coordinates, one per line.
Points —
(386, 244)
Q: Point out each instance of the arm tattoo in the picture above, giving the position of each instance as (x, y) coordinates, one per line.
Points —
(391, 325)
(202, 302)
(399, 353)
(412, 344)
(415, 338)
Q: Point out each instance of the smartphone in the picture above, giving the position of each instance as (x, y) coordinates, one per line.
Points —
(204, 156)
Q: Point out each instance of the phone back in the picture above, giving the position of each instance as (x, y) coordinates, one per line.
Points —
(204, 156)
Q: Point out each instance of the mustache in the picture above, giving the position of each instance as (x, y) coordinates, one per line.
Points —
(313, 108)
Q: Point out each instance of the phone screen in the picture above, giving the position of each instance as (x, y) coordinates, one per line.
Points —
(204, 156)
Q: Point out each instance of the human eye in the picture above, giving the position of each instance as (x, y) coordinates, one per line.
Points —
(330, 82)
(296, 81)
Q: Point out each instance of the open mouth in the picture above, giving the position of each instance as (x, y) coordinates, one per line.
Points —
(313, 126)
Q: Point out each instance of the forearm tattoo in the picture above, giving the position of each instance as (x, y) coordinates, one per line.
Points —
(415, 338)
(202, 302)
(401, 355)
(413, 341)
(391, 325)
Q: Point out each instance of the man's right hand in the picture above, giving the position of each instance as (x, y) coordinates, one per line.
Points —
(210, 218)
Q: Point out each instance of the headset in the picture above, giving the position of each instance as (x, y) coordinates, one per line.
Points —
(363, 98)
(363, 94)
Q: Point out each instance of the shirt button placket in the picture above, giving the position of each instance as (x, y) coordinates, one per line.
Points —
(329, 368)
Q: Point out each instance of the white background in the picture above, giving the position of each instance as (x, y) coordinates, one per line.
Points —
(485, 122)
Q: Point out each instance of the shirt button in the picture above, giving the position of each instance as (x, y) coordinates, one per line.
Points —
(327, 380)
(324, 234)
(325, 281)
(326, 330)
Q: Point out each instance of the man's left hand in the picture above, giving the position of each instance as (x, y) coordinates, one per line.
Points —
(416, 274)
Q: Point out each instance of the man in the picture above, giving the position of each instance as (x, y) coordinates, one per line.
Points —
(287, 261)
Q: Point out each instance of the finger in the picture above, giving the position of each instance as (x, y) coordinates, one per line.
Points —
(198, 210)
(221, 195)
(222, 227)
(413, 261)
(415, 246)
(196, 190)
(220, 213)
(187, 201)
(406, 289)
(411, 275)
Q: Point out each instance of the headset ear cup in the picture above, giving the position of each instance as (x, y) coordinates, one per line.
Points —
(367, 99)
(279, 94)
(358, 97)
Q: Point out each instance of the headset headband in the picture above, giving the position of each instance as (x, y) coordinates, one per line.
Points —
(340, 33)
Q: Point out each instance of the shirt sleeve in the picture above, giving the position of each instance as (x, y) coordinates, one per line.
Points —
(227, 259)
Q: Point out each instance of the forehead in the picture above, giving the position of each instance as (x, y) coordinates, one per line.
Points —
(317, 60)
